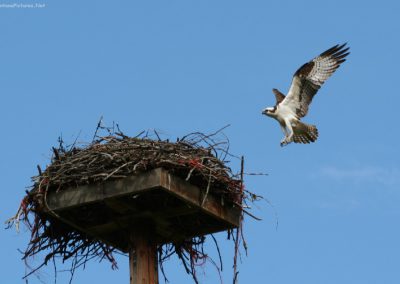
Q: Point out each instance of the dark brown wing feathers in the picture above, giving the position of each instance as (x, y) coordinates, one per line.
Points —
(336, 53)
(305, 69)
(309, 78)
(278, 95)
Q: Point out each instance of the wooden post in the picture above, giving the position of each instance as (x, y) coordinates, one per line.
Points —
(143, 264)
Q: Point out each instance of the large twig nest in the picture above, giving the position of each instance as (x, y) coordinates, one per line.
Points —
(197, 158)
(115, 157)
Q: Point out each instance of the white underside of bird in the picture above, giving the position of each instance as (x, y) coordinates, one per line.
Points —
(292, 127)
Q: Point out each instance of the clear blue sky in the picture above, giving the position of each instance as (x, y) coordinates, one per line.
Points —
(183, 66)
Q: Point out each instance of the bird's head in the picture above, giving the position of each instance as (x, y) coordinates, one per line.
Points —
(270, 111)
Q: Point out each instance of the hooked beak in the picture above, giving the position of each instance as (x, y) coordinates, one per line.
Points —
(264, 112)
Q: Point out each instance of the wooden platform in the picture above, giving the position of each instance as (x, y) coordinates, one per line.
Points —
(162, 205)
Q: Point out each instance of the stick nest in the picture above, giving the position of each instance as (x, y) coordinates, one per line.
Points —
(198, 158)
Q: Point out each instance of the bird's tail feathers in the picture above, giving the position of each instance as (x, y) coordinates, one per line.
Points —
(305, 133)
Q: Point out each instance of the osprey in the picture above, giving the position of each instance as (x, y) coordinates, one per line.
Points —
(306, 82)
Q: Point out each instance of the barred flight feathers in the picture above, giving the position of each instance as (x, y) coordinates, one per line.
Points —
(311, 76)
(304, 133)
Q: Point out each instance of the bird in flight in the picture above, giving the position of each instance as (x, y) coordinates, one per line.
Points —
(306, 82)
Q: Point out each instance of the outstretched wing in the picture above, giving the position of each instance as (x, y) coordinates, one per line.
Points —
(278, 96)
(309, 78)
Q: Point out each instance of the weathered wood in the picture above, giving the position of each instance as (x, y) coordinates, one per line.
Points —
(193, 195)
(143, 264)
(125, 221)
(157, 178)
(172, 207)
(117, 205)
(84, 194)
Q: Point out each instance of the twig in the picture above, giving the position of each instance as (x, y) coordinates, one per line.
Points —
(238, 230)
(207, 190)
(97, 128)
(219, 252)
(251, 215)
